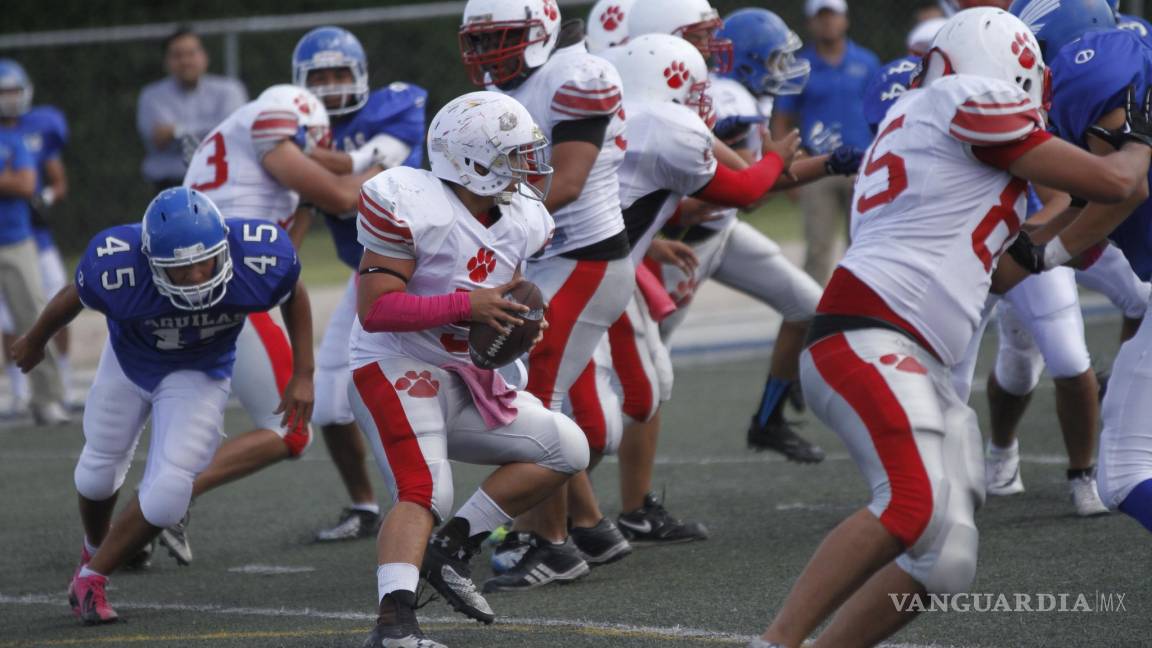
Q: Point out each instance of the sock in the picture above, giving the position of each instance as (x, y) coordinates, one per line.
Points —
(1138, 504)
(18, 381)
(997, 452)
(772, 402)
(1081, 472)
(89, 547)
(396, 576)
(65, 369)
(483, 514)
(370, 507)
(85, 572)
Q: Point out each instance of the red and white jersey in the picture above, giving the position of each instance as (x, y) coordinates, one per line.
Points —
(934, 206)
(227, 166)
(731, 99)
(669, 157)
(407, 213)
(575, 85)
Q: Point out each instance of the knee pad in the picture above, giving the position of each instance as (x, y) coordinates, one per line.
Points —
(1060, 338)
(569, 454)
(950, 566)
(298, 440)
(99, 476)
(1018, 360)
(164, 498)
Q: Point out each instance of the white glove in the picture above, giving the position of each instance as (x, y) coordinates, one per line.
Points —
(385, 150)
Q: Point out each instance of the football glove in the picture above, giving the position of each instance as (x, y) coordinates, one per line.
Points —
(844, 160)
(1137, 122)
(1029, 255)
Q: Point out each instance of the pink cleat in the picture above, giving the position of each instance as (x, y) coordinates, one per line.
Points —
(89, 604)
(85, 558)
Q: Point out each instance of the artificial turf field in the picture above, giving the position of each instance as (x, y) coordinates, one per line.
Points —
(766, 517)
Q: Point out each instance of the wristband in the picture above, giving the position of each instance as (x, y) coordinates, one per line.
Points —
(1055, 254)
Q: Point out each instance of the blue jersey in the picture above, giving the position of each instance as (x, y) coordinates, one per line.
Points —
(15, 215)
(829, 106)
(1090, 78)
(1136, 25)
(151, 337)
(45, 134)
(891, 81)
(397, 110)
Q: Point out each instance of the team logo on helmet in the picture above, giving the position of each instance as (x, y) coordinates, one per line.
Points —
(550, 9)
(1037, 11)
(612, 18)
(508, 121)
(676, 74)
(1021, 48)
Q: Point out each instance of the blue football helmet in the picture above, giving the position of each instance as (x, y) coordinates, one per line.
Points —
(332, 47)
(183, 227)
(1115, 5)
(1058, 23)
(15, 89)
(764, 49)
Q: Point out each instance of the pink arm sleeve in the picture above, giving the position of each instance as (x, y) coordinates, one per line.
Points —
(399, 311)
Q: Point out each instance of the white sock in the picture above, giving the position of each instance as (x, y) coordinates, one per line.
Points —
(998, 452)
(483, 514)
(370, 507)
(65, 369)
(18, 381)
(396, 576)
(85, 572)
(90, 548)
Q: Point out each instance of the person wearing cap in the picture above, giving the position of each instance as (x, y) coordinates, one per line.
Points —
(829, 114)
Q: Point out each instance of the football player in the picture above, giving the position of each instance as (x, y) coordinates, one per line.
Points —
(1136, 24)
(942, 187)
(513, 46)
(256, 164)
(385, 127)
(1099, 74)
(442, 247)
(175, 290)
(45, 134)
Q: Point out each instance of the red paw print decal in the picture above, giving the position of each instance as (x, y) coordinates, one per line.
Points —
(621, 143)
(481, 265)
(612, 18)
(302, 105)
(676, 75)
(550, 10)
(1021, 48)
(903, 363)
(419, 385)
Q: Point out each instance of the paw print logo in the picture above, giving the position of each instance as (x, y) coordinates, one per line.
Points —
(612, 18)
(419, 385)
(481, 265)
(621, 143)
(903, 363)
(1022, 49)
(302, 105)
(676, 75)
(550, 10)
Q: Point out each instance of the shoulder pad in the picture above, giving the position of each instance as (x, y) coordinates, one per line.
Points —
(585, 86)
(982, 111)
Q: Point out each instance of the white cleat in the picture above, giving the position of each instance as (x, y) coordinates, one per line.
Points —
(1002, 471)
(1085, 497)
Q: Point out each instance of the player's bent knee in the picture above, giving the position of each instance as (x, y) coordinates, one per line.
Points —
(164, 499)
(569, 454)
(1018, 372)
(951, 567)
(908, 512)
(98, 476)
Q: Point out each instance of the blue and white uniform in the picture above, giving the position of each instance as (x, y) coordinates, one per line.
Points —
(892, 80)
(1136, 25)
(171, 364)
(397, 111)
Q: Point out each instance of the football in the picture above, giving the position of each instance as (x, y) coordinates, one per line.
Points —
(489, 349)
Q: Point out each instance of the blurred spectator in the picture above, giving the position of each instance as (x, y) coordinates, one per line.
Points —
(830, 113)
(927, 10)
(175, 113)
(20, 272)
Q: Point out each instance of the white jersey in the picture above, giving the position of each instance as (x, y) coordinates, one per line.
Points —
(228, 167)
(731, 99)
(575, 85)
(669, 157)
(411, 214)
(931, 214)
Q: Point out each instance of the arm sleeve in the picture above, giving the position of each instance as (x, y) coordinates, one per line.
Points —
(742, 188)
(399, 311)
(272, 127)
(380, 230)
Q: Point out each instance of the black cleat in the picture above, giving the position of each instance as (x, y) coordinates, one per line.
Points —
(143, 558)
(396, 624)
(543, 563)
(779, 436)
(175, 540)
(652, 524)
(796, 398)
(353, 524)
(601, 544)
(449, 572)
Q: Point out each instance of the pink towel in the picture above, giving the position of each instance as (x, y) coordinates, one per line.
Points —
(493, 397)
(660, 305)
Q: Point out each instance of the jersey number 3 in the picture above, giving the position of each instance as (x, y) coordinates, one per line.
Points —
(218, 161)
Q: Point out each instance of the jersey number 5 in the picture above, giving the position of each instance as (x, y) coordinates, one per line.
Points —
(218, 161)
(897, 174)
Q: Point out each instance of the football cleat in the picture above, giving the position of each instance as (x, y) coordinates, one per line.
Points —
(143, 558)
(508, 553)
(1085, 496)
(449, 572)
(85, 558)
(396, 624)
(88, 601)
(779, 436)
(175, 539)
(353, 524)
(601, 544)
(543, 563)
(652, 524)
(1002, 471)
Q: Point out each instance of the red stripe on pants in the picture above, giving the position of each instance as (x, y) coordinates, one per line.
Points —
(587, 410)
(563, 311)
(860, 384)
(638, 400)
(413, 479)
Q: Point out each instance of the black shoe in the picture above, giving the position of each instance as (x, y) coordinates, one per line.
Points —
(353, 524)
(652, 524)
(143, 558)
(601, 544)
(796, 397)
(448, 570)
(396, 624)
(779, 436)
(1102, 377)
(543, 563)
(175, 540)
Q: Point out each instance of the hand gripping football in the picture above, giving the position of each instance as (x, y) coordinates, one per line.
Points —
(489, 349)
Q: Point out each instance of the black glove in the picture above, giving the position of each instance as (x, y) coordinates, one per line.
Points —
(1029, 255)
(844, 160)
(1137, 122)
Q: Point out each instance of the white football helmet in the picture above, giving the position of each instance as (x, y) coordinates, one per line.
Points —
(503, 40)
(990, 43)
(608, 24)
(487, 143)
(696, 21)
(309, 110)
(663, 68)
